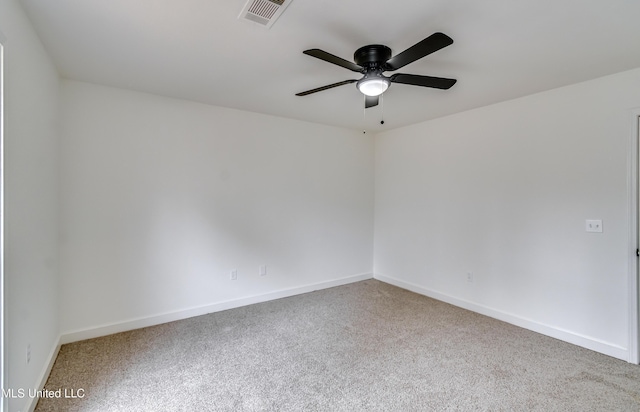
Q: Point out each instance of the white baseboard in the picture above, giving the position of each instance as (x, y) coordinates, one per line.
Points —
(109, 329)
(44, 375)
(554, 332)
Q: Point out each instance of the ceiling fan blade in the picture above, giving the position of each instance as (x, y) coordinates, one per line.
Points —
(427, 46)
(370, 101)
(329, 86)
(328, 57)
(424, 81)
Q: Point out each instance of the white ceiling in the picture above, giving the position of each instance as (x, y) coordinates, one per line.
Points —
(199, 50)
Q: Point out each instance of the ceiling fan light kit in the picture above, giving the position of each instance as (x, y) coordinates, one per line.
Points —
(373, 86)
(374, 59)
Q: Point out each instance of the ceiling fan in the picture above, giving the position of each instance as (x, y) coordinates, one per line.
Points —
(375, 59)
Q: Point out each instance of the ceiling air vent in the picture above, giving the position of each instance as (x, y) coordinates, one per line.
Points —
(264, 12)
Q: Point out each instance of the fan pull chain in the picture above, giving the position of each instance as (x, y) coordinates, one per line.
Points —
(382, 108)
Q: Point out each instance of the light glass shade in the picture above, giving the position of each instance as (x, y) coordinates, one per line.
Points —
(373, 86)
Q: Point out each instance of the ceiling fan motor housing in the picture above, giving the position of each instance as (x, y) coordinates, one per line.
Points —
(372, 56)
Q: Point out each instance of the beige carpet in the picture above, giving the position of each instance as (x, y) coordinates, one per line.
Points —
(367, 346)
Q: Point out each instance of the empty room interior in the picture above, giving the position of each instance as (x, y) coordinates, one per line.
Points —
(294, 205)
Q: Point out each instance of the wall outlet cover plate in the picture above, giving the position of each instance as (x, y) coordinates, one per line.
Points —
(594, 225)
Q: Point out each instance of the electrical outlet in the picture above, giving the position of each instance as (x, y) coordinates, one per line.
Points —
(470, 277)
(594, 226)
(233, 275)
(28, 353)
(263, 270)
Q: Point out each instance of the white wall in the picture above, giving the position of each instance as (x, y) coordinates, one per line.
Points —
(503, 192)
(161, 198)
(31, 202)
